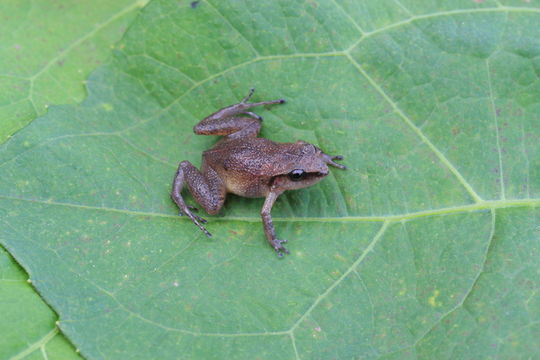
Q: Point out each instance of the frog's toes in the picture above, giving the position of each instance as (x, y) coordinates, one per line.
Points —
(196, 220)
(280, 249)
(329, 159)
(193, 217)
(253, 115)
(249, 95)
(205, 231)
(200, 219)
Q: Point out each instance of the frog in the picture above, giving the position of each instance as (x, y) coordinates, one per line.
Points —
(244, 164)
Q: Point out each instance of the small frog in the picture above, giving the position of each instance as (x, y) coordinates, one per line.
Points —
(246, 165)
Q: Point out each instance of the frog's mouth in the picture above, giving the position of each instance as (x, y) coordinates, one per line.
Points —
(315, 175)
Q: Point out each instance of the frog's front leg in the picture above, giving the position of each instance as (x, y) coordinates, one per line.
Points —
(206, 187)
(269, 231)
(226, 121)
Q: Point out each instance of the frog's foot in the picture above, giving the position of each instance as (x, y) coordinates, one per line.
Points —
(249, 105)
(249, 95)
(197, 220)
(280, 249)
(253, 115)
(329, 159)
(197, 217)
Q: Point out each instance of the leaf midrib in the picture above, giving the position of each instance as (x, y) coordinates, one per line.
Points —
(483, 205)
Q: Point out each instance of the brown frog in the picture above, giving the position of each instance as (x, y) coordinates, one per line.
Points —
(244, 164)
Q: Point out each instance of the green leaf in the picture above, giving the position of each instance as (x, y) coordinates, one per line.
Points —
(49, 48)
(27, 324)
(427, 247)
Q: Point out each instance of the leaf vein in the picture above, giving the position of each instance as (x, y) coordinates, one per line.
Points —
(473, 283)
(45, 339)
(233, 27)
(354, 265)
(442, 158)
(485, 205)
(358, 27)
(496, 123)
(412, 19)
(95, 30)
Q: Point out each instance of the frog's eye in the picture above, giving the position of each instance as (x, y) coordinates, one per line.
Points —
(296, 175)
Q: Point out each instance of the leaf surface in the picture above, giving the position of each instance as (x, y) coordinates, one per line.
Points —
(47, 50)
(27, 324)
(427, 247)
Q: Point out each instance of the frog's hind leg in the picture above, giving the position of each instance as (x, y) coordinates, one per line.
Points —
(225, 121)
(251, 128)
(208, 189)
(232, 127)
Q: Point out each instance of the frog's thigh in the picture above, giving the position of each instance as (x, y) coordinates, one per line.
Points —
(207, 189)
(248, 126)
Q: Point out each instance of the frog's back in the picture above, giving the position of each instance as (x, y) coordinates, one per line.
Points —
(255, 156)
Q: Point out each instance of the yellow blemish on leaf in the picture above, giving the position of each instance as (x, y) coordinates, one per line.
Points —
(107, 106)
(339, 257)
(22, 183)
(432, 300)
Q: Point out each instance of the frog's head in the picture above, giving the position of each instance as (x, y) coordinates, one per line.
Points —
(307, 165)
